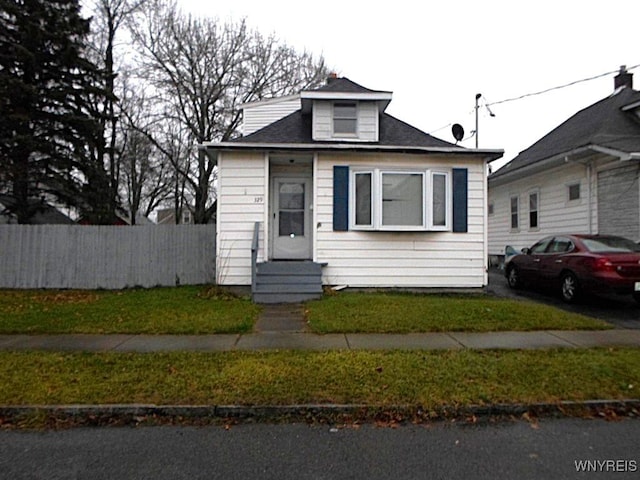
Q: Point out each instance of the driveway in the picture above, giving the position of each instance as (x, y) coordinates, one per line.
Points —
(621, 311)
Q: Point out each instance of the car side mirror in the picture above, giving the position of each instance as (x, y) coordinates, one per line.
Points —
(526, 251)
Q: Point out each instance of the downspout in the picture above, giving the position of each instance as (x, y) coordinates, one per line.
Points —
(590, 195)
(486, 222)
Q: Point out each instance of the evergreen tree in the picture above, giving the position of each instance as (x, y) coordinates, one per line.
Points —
(49, 132)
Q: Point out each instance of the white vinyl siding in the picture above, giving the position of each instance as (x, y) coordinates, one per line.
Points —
(323, 122)
(242, 201)
(260, 114)
(555, 214)
(619, 201)
(362, 258)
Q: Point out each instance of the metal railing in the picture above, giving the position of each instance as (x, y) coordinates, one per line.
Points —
(254, 255)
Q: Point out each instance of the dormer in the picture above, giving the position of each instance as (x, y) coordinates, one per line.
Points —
(343, 111)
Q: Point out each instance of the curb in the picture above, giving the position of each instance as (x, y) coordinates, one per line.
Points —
(61, 416)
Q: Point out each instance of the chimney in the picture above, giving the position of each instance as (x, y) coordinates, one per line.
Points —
(623, 79)
(333, 76)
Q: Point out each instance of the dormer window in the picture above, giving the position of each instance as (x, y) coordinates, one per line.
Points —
(345, 118)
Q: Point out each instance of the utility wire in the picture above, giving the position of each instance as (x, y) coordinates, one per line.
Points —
(533, 94)
(526, 95)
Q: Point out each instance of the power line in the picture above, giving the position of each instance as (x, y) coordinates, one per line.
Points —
(526, 95)
(533, 94)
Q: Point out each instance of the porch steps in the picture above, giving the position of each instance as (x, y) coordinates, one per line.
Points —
(287, 282)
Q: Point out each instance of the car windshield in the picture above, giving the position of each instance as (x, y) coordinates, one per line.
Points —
(610, 244)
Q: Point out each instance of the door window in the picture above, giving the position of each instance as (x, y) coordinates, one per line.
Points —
(291, 205)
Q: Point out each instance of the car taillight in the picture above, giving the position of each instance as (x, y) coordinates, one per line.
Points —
(603, 265)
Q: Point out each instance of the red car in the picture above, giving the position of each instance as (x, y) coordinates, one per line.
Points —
(577, 264)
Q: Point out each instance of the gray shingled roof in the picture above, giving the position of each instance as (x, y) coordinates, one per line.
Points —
(343, 85)
(602, 124)
(296, 129)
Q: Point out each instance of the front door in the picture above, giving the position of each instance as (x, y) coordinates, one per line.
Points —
(291, 216)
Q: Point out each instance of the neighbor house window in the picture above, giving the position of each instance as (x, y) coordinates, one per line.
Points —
(401, 200)
(533, 210)
(514, 213)
(345, 118)
(574, 191)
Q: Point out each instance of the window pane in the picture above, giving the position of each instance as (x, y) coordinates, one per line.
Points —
(291, 195)
(402, 199)
(439, 200)
(514, 212)
(533, 210)
(363, 199)
(344, 110)
(345, 118)
(344, 125)
(574, 192)
(291, 223)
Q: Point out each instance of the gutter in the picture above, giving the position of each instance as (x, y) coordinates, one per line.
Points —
(499, 178)
(489, 154)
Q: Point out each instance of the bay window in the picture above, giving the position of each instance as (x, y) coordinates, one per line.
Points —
(411, 200)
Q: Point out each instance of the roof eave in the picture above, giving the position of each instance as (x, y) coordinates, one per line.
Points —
(489, 155)
(501, 178)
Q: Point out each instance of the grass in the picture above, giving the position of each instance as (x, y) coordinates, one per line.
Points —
(180, 310)
(382, 312)
(429, 379)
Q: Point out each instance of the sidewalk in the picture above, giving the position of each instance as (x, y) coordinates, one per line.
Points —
(310, 341)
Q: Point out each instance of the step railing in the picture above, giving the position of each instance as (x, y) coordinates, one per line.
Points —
(254, 255)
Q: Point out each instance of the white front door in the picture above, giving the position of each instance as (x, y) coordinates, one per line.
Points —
(291, 216)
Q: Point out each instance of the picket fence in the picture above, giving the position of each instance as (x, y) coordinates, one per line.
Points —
(109, 257)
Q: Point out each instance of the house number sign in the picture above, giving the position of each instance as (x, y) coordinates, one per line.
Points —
(258, 199)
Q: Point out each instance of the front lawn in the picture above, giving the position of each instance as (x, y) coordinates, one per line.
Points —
(390, 312)
(179, 310)
(428, 379)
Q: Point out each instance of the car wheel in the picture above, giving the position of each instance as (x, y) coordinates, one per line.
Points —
(513, 277)
(570, 289)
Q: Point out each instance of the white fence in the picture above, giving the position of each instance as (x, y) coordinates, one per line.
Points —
(70, 256)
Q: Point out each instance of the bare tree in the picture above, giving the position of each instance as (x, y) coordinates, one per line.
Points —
(201, 70)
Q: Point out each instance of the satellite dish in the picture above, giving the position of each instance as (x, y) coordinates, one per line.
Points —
(458, 132)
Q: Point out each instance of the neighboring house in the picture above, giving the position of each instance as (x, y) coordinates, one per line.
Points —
(582, 177)
(167, 216)
(329, 189)
(45, 213)
(122, 219)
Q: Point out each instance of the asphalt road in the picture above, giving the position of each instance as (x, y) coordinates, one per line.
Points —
(516, 449)
(621, 311)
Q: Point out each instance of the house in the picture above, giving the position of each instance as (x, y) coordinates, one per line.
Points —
(43, 212)
(326, 188)
(582, 177)
(167, 216)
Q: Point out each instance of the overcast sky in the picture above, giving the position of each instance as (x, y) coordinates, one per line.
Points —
(435, 56)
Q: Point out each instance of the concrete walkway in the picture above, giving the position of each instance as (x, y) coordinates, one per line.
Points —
(310, 341)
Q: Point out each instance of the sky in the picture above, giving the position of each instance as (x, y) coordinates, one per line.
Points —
(435, 56)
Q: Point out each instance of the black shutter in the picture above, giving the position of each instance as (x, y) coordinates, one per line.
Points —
(340, 198)
(460, 200)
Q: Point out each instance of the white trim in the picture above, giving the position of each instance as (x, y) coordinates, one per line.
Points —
(447, 227)
(314, 205)
(267, 208)
(268, 101)
(346, 96)
(377, 200)
(489, 153)
(517, 227)
(534, 191)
